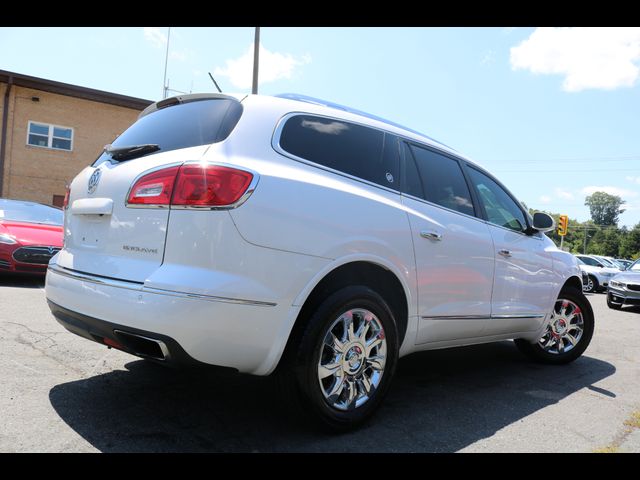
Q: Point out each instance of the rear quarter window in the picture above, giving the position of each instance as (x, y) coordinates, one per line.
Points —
(357, 150)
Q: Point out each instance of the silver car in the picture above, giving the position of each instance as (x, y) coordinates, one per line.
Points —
(624, 288)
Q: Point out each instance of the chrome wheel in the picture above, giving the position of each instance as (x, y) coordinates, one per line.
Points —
(352, 359)
(589, 286)
(565, 329)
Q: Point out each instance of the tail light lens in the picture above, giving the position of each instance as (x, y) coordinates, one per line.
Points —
(154, 188)
(191, 185)
(210, 185)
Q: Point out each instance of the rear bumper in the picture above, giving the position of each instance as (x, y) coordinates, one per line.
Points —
(248, 337)
(142, 343)
(619, 296)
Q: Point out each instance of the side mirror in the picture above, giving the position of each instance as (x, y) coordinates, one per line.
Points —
(543, 222)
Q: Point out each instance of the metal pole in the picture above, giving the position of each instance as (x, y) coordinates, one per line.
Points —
(256, 54)
(561, 241)
(165, 87)
(584, 250)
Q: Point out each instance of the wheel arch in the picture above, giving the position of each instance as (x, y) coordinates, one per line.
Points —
(374, 274)
(572, 282)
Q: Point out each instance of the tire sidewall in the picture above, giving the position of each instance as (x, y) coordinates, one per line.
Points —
(310, 350)
(589, 324)
(594, 284)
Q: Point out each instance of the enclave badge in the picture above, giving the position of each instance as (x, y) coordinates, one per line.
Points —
(93, 181)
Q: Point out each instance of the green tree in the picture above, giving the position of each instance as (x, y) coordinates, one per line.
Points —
(630, 243)
(605, 241)
(605, 208)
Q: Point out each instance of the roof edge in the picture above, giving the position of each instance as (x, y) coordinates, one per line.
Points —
(76, 91)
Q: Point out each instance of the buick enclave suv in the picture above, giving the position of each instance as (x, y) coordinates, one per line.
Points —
(294, 236)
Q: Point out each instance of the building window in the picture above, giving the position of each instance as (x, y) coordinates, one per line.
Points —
(50, 136)
(58, 201)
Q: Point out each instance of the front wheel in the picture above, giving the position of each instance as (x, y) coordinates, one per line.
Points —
(342, 367)
(568, 334)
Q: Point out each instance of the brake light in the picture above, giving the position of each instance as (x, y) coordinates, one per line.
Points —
(191, 185)
(154, 188)
(210, 185)
(65, 202)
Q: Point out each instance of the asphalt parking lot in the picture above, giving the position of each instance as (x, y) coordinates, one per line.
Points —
(60, 393)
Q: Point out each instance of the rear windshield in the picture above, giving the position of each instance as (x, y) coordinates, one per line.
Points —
(190, 124)
(30, 213)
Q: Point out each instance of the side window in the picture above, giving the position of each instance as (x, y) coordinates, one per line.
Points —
(354, 149)
(589, 261)
(436, 178)
(501, 209)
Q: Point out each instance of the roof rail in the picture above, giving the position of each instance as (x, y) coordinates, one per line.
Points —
(325, 103)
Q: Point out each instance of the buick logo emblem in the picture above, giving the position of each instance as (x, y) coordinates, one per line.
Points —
(93, 181)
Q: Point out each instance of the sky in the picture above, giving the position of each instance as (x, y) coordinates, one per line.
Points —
(554, 113)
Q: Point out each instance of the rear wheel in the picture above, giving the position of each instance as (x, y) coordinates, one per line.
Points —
(568, 334)
(341, 369)
(592, 285)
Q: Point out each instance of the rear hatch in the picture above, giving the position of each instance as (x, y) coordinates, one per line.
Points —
(106, 237)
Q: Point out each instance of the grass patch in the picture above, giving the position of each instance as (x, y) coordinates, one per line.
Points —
(633, 421)
(607, 449)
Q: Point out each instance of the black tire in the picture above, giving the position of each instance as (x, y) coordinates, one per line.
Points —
(298, 375)
(592, 286)
(536, 352)
(610, 304)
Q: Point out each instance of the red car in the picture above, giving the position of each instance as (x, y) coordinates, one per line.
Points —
(30, 234)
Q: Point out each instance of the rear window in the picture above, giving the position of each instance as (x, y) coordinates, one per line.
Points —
(190, 124)
(349, 148)
(30, 213)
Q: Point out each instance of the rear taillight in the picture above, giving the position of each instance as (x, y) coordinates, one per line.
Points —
(191, 185)
(210, 185)
(154, 188)
(65, 202)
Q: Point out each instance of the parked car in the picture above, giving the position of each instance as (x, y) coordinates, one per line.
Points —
(608, 261)
(293, 236)
(625, 263)
(30, 234)
(624, 288)
(599, 274)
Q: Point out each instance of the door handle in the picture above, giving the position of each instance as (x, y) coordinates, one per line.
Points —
(431, 235)
(505, 253)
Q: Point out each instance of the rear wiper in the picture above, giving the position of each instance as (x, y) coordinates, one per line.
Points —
(130, 151)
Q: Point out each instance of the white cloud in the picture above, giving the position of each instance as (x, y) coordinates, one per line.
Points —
(272, 66)
(155, 36)
(488, 58)
(545, 199)
(602, 58)
(158, 39)
(621, 192)
(563, 194)
(633, 179)
(180, 55)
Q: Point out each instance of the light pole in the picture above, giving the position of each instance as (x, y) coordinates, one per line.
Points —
(256, 55)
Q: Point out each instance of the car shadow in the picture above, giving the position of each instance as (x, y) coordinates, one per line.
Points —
(441, 401)
(22, 281)
(632, 309)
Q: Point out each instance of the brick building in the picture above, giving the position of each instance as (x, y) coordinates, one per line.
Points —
(49, 131)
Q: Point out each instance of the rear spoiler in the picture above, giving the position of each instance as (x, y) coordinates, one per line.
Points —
(192, 97)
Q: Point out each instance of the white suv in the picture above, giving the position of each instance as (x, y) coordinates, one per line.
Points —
(293, 236)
